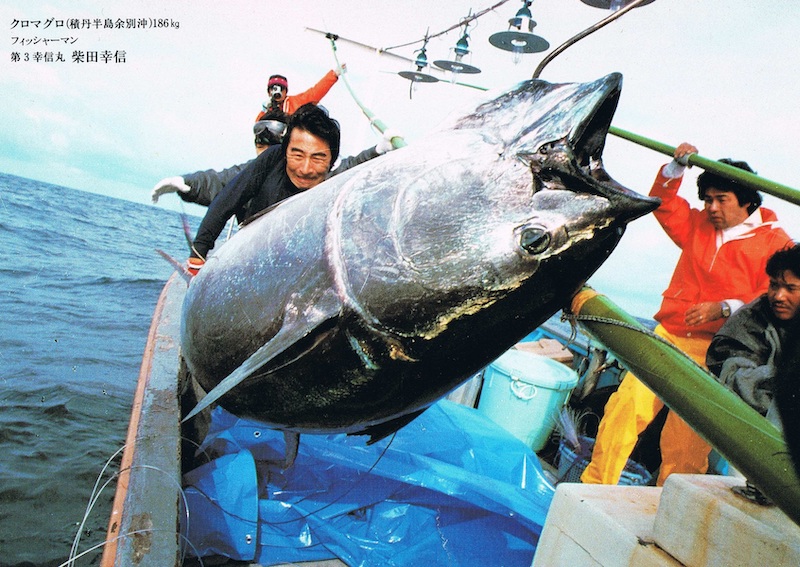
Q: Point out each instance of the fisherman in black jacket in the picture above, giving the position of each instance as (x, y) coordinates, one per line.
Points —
(303, 160)
(746, 351)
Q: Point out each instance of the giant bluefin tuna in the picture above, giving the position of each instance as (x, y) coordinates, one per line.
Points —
(354, 306)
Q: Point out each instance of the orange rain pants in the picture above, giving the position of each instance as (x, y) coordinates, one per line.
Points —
(630, 410)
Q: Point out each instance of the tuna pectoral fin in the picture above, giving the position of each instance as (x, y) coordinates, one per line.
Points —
(276, 346)
(381, 430)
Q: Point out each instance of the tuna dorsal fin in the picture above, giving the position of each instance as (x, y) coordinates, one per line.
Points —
(287, 338)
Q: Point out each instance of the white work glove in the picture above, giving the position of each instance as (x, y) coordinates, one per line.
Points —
(169, 185)
(385, 145)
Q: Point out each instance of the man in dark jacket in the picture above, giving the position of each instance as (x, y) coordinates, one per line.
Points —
(202, 186)
(303, 160)
(746, 351)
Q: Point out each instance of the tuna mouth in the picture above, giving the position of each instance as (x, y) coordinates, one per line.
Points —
(575, 162)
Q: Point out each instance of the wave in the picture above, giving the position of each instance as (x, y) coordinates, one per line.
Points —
(80, 279)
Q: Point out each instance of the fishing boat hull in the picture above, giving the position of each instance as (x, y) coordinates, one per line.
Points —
(142, 529)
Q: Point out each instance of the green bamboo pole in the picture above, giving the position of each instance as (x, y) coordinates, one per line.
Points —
(744, 177)
(397, 141)
(745, 438)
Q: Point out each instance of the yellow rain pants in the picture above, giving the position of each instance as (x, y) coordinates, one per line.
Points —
(630, 410)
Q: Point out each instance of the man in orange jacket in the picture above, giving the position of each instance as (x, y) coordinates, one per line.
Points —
(724, 250)
(281, 105)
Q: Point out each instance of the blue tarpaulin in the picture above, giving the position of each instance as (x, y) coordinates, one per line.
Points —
(451, 488)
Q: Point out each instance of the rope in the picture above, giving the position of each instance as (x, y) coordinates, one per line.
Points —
(572, 319)
(374, 121)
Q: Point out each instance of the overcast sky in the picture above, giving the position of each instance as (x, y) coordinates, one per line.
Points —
(168, 100)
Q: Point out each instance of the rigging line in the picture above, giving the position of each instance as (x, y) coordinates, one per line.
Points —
(377, 50)
(451, 28)
(382, 53)
(92, 498)
(96, 497)
(397, 141)
(134, 533)
(576, 38)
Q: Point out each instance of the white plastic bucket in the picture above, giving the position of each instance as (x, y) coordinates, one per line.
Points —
(524, 393)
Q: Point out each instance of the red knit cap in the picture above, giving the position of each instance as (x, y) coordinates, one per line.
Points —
(278, 80)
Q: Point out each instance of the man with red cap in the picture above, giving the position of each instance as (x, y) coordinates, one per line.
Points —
(281, 106)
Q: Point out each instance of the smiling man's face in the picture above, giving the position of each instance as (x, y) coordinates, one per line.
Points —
(308, 159)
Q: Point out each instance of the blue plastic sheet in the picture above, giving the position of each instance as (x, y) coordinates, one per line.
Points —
(228, 481)
(451, 488)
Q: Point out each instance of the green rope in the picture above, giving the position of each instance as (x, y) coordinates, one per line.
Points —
(397, 141)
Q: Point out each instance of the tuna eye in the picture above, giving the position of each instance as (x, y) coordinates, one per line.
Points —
(534, 240)
(548, 148)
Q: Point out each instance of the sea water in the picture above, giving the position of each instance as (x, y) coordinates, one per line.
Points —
(79, 279)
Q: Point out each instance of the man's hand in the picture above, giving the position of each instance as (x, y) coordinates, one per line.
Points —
(385, 145)
(341, 69)
(169, 185)
(703, 313)
(683, 152)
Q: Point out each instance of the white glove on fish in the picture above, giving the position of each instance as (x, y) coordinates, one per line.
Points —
(385, 145)
(169, 185)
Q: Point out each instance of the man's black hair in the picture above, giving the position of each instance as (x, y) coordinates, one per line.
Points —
(315, 120)
(784, 260)
(743, 193)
